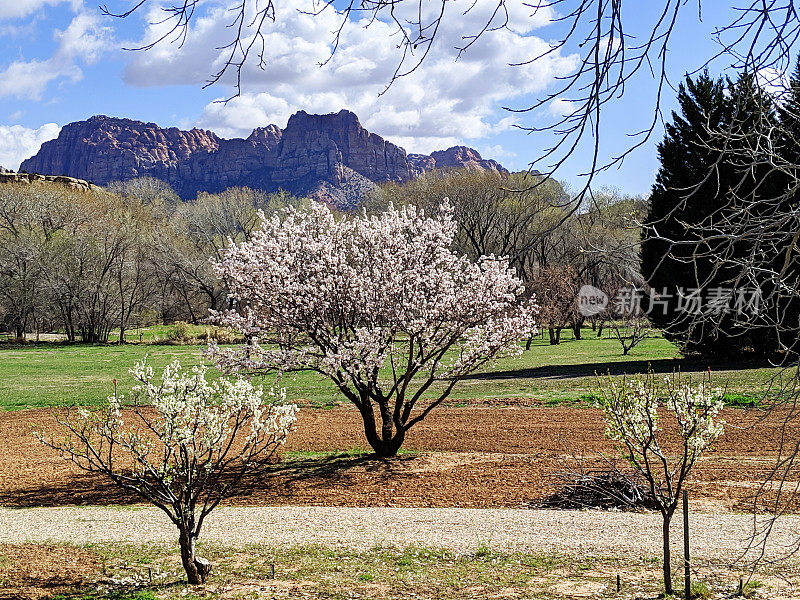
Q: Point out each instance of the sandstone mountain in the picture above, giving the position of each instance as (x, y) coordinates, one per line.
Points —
(329, 157)
(7, 176)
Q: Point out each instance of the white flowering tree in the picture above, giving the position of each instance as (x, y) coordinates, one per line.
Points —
(378, 304)
(188, 443)
(662, 455)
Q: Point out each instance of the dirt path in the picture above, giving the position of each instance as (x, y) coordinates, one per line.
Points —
(596, 533)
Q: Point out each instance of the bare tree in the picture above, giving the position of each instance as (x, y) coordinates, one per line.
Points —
(626, 318)
(556, 291)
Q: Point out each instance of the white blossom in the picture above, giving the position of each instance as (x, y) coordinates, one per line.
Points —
(188, 443)
(633, 407)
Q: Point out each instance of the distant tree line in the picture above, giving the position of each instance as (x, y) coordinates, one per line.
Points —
(87, 263)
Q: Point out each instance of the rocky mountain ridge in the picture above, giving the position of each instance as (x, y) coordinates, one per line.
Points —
(7, 176)
(328, 157)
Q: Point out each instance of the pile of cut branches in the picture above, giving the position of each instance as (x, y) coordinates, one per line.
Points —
(610, 490)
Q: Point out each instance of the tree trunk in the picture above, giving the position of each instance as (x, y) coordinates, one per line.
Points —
(388, 442)
(576, 327)
(389, 448)
(553, 338)
(667, 565)
(528, 343)
(196, 568)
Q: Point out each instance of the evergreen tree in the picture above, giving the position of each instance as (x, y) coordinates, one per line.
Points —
(707, 174)
(789, 113)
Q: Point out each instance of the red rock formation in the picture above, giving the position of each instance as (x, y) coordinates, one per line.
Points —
(331, 156)
(104, 149)
(7, 176)
(464, 158)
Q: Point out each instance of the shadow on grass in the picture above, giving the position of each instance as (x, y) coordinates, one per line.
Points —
(630, 367)
(275, 486)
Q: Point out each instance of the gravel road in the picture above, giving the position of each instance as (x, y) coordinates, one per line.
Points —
(713, 536)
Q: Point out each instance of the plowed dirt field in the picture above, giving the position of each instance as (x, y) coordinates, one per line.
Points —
(458, 457)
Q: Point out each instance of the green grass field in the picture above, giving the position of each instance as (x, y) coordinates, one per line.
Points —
(49, 374)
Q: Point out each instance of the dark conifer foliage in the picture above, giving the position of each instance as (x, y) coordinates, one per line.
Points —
(709, 303)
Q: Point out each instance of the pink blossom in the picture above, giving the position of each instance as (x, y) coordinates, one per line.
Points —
(380, 304)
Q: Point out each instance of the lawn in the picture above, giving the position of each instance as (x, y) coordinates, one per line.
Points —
(55, 374)
(50, 374)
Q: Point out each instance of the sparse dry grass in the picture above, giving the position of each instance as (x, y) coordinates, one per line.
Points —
(127, 572)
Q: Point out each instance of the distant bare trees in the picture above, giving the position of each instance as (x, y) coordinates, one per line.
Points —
(555, 244)
(88, 262)
(556, 291)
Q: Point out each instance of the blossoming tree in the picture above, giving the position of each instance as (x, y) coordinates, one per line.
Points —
(189, 443)
(631, 410)
(378, 304)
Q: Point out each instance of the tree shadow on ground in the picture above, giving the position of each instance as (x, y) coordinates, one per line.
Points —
(322, 473)
(631, 367)
(81, 489)
(85, 489)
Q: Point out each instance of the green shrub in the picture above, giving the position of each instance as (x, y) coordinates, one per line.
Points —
(741, 400)
(749, 589)
(699, 589)
(180, 331)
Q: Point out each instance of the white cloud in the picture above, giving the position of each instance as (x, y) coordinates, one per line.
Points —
(448, 100)
(773, 81)
(496, 152)
(424, 145)
(560, 108)
(83, 41)
(18, 143)
(15, 9)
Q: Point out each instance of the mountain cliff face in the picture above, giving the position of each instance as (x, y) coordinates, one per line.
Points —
(328, 157)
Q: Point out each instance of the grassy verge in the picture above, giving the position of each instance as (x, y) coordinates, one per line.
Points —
(153, 572)
(50, 374)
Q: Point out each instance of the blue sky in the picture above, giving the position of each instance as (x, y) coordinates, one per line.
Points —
(61, 61)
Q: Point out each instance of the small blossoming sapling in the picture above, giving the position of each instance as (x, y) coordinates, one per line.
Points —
(187, 446)
(632, 408)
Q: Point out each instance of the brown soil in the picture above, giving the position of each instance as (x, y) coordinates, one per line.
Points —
(30, 571)
(469, 457)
